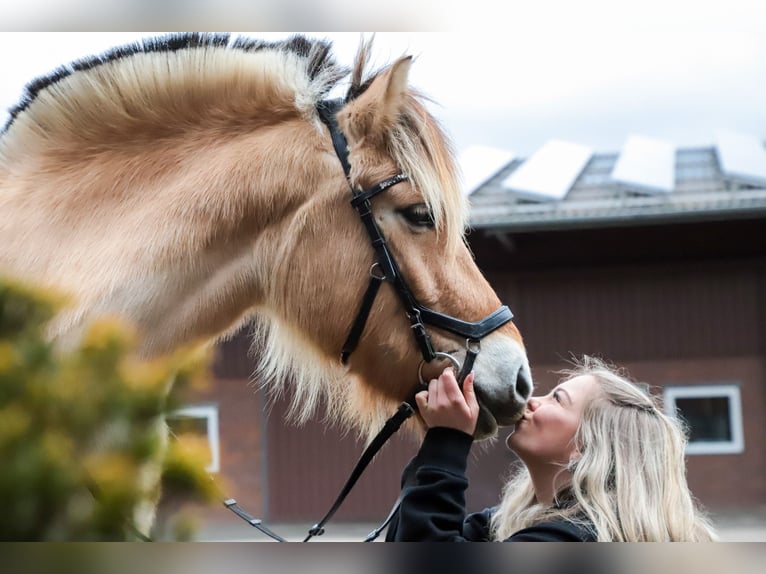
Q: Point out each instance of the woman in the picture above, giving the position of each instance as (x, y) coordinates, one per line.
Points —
(601, 462)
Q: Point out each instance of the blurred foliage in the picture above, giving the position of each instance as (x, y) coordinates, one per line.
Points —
(80, 428)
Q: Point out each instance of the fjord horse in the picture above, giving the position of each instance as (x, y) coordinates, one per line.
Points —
(187, 184)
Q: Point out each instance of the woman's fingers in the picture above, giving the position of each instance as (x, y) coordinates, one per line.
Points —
(470, 394)
(421, 399)
(433, 391)
(449, 385)
(444, 404)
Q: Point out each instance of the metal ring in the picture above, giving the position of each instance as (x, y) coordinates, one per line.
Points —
(455, 363)
(473, 345)
(381, 277)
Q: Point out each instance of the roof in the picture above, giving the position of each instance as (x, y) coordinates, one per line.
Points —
(598, 196)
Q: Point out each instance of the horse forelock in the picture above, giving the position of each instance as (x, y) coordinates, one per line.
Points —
(145, 78)
(421, 149)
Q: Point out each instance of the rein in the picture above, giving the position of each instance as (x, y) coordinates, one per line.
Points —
(418, 315)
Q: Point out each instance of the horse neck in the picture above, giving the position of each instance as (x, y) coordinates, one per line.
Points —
(181, 236)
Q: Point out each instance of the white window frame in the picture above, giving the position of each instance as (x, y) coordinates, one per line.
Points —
(730, 391)
(210, 414)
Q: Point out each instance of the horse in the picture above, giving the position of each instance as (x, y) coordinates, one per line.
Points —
(188, 184)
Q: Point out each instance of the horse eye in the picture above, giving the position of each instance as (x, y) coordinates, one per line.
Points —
(418, 215)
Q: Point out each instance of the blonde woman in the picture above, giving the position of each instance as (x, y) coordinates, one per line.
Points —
(601, 462)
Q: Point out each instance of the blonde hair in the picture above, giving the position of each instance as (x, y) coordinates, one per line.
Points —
(629, 482)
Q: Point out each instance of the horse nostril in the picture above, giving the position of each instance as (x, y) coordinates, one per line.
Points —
(523, 384)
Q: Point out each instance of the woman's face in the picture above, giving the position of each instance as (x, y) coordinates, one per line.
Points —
(545, 434)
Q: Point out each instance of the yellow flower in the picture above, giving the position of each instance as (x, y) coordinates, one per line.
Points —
(7, 356)
(14, 423)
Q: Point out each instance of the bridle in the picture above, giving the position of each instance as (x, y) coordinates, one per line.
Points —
(418, 315)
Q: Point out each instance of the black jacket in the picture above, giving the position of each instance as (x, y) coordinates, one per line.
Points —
(433, 499)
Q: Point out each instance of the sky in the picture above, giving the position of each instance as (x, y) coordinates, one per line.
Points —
(674, 71)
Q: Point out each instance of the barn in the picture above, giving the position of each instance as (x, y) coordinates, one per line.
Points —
(651, 256)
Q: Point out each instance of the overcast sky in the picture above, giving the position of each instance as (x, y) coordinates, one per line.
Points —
(678, 75)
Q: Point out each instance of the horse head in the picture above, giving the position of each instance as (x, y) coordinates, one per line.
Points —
(390, 137)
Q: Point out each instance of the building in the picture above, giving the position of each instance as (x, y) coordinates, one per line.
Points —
(652, 257)
(655, 259)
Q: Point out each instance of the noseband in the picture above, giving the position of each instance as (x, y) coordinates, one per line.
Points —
(387, 269)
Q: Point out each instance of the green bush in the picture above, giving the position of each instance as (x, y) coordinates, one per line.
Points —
(78, 426)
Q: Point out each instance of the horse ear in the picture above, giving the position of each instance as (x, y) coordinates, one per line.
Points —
(376, 110)
(395, 89)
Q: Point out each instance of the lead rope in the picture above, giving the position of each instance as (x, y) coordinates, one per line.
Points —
(472, 350)
(405, 411)
(232, 505)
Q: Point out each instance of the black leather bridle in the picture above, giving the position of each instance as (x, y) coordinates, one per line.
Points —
(418, 314)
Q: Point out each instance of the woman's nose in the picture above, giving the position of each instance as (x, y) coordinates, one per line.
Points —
(533, 403)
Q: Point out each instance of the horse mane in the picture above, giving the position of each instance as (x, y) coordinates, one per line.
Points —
(159, 87)
(124, 77)
(149, 86)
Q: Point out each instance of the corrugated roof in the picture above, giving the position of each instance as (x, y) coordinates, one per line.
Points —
(702, 191)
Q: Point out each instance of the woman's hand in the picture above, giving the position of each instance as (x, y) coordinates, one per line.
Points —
(445, 405)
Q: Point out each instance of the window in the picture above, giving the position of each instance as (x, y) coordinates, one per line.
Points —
(713, 414)
(598, 171)
(201, 421)
(696, 156)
